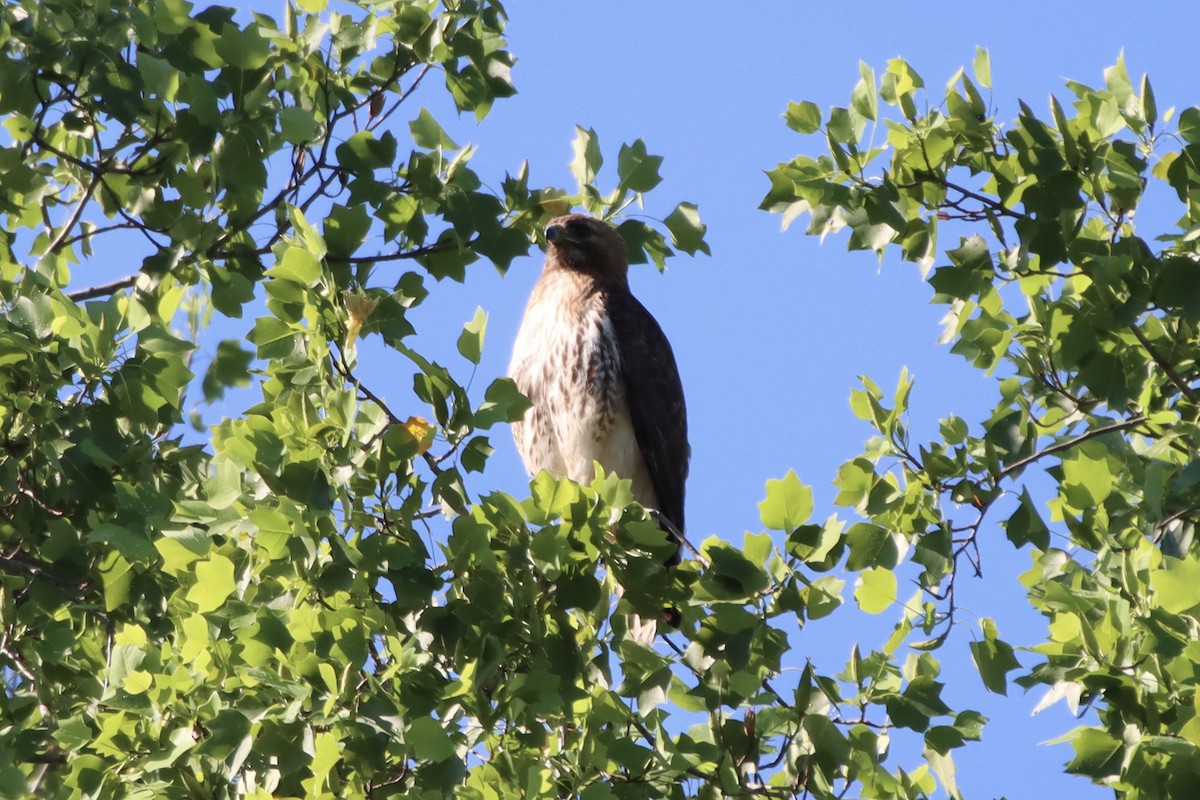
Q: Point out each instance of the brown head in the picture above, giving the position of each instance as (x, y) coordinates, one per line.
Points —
(585, 244)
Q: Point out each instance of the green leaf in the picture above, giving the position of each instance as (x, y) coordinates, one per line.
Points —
(345, 228)
(1176, 584)
(227, 732)
(818, 546)
(428, 133)
(687, 231)
(138, 682)
(788, 503)
(551, 497)
(429, 740)
(1149, 106)
(244, 49)
(845, 125)
(1189, 125)
(274, 338)
(1116, 80)
(1097, 754)
(298, 125)
(823, 596)
(502, 402)
(875, 590)
(865, 99)
(994, 658)
(637, 171)
(641, 241)
(34, 314)
(919, 702)
(1087, 477)
(117, 576)
(1070, 148)
(362, 153)
(734, 575)
(214, 583)
(73, 734)
(176, 554)
(803, 117)
(1025, 526)
(230, 290)
(298, 266)
(587, 160)
(132, 542)
(327, 752)
(230, 367)
(982, 67)
(179, 742)
(470, 341)
(898, 86)
(942, 765)
(870, 546)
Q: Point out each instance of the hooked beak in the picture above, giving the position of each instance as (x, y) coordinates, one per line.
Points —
(556, 234)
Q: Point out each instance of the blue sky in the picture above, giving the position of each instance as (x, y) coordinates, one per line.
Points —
(772, 330)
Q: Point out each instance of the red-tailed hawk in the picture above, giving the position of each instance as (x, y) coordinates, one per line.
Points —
(600, 373)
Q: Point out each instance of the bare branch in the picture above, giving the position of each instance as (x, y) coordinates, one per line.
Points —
(75, 215)
(1019, 464)
(97, 231)
(17, 663)
(429, 249)
(103, 290)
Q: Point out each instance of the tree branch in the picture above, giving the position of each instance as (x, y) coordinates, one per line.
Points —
(17, 664)
(75, 215)
(678, 536)
(1069, 443)
(1175, 378)
(97, 231)
(103, 290)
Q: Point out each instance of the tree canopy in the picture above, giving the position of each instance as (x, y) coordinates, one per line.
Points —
(315, 598)
(1089, 328)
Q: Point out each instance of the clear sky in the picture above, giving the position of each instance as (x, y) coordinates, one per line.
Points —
(772, 330)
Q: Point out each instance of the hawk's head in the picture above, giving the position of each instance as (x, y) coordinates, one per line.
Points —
(586, 244)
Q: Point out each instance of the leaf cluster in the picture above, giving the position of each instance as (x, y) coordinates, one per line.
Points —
(282, 608)
(1089, 329)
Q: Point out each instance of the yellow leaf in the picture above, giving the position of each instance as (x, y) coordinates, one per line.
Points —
(420, 429)
(138, 681)
(359, 308)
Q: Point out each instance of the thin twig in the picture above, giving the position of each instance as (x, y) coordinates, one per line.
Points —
(97, 231)
(1165, 365)
(17, 663)
(678, 536)
(75, 215)
(379, 119)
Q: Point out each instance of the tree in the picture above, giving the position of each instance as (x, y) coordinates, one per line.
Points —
(260, 613)
(1089, 327)
(314, 599)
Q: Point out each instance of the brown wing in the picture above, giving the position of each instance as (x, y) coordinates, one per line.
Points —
(655, 397)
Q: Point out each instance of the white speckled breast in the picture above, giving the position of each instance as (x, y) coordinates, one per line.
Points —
(567, 362)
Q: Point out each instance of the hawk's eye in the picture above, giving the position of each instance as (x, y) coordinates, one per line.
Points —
(581, 232)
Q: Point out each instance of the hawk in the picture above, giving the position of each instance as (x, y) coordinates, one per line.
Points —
(600, 374)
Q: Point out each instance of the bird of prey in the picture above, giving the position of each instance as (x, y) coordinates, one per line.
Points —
(600, 374)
